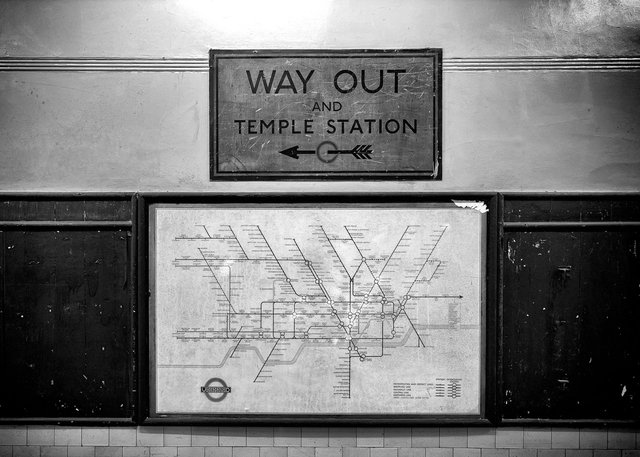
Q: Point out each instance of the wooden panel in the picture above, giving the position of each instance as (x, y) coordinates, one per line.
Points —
(66, 330)
(571, 342)
(572, 209)
(66, 307)
(66, 210)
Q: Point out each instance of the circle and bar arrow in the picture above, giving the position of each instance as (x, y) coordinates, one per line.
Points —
(359, 151)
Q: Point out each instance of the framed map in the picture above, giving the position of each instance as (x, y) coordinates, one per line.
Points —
(316, 309)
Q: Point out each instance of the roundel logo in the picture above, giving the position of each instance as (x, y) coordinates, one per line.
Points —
(215, 389)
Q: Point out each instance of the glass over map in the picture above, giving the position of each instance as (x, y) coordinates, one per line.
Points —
(316, 310)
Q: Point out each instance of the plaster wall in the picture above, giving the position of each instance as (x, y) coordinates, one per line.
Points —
(503, 130)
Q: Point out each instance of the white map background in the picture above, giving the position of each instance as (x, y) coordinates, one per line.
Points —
(317, 310)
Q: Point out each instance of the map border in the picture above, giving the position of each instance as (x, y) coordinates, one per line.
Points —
(247, 201)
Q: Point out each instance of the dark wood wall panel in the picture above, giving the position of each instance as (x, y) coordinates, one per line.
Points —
(575, 208)
(67, 340)
(65, 210)
(571, 313)
(569, 318)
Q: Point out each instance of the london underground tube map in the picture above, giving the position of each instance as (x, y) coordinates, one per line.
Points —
(316, 310)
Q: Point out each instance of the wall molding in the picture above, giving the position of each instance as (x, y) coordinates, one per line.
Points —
(107, 64)
(542, 64)
(201, 64)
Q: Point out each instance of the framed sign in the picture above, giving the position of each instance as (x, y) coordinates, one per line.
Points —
(316, 309)
(372, 114)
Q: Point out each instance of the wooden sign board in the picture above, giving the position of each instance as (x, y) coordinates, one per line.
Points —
(326, 114)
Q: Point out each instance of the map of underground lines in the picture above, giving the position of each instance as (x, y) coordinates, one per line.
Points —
(317, 310)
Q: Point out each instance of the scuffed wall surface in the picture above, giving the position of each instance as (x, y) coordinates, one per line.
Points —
(149, 130)
(174, 28)
(584, 27)
(503, 131)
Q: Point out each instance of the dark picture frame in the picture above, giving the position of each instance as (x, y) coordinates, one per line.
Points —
(487, 356)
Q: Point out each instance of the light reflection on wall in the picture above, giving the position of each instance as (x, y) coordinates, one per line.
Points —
(260, 24)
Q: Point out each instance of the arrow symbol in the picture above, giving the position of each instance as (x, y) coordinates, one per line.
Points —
(294, 152)
(359, 151)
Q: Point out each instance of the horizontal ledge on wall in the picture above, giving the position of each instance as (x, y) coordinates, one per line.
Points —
(198, 64)
(542, 64)
(65, 224)
(570, 225)
(103, 64)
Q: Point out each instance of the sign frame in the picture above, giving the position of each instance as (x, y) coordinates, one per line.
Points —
(389, 174)
(487, 378)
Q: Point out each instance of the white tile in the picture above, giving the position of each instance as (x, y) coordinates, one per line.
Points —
(453, 437)
(177, 436)
(481, 437)
(108, 451)
(523, 452)
(287, 436)
(315, 436)
(411, 452)
(621, 439)
(67, 436)
(296, 451)
(282, 452)
(163, 451)
(81, 451)
(217, 451)
(260, 436)
(13, 434)
(139, 451)
(383, 452)
(43, 435)
(320, 452)
(244, 451)
(441, 452)
(593, 439)
(427, 437)
(195, 451)
(551, 453)
(494, 452)
(53, 451)
(462, 452)
(537, 438)
(150, 436)
(232, 436)
(26, 451)
(579, 453)
(397, 437)
(369, 437)
(95, 436)
(342, 437)
(508, 438)
(565, 438)
(204, 436)
(607, 453)
(122, 436)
